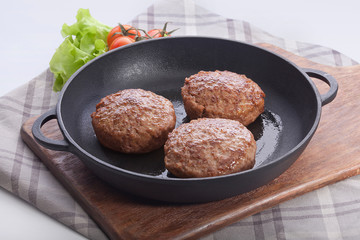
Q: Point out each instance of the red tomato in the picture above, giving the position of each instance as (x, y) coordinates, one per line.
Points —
(117, 31)
(121, 41)
(156, 33)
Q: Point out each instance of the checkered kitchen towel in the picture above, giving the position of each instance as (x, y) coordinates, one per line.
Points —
(332, 212)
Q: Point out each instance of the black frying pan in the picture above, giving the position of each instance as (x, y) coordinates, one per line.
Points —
(293, 108)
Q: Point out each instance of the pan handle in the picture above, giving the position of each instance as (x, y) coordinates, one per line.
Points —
(58, 145)
(327, 78)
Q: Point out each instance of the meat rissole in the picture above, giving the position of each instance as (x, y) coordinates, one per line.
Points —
(209, 147)
(139, 121)
(133, 121)
(222, 94)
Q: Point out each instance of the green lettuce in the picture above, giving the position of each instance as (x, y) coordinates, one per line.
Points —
(84, 40)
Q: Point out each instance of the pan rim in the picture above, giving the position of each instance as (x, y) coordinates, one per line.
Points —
(78, 149)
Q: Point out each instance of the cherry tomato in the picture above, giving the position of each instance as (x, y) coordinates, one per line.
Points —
(121, 41)
(125, 30)
(157, 33)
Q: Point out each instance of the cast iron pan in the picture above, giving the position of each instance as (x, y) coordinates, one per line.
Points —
(293, 107)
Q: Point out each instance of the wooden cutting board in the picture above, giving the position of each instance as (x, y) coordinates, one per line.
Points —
(332, 155)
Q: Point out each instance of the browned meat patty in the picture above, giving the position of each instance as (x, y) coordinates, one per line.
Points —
(133, 121)
(222, 94)
(209, 147)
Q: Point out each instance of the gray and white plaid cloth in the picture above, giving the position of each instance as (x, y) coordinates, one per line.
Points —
(332, 212)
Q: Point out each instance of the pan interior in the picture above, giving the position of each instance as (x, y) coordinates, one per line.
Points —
(162, 65)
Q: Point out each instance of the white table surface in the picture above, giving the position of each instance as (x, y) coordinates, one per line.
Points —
(30, 33)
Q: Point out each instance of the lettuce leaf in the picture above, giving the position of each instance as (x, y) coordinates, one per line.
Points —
(84, 40)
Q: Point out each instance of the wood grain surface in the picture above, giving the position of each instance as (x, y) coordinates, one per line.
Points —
(332, 155)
